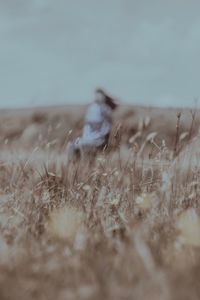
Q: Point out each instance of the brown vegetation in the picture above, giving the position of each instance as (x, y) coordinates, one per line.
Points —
(126, 226)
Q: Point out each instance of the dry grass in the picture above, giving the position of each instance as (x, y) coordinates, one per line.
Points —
(126, 226)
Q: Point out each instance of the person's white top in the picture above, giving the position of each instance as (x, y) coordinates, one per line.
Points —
(94, 113)
(98, 122)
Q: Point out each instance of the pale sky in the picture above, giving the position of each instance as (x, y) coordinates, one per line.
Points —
(58, 51)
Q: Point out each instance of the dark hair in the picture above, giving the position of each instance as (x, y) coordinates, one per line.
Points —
(108, 100)
(100, 91)
(111, 102)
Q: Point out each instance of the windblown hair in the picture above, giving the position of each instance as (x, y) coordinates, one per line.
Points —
(111, 102)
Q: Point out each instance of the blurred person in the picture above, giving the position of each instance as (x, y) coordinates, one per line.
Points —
(97, 126)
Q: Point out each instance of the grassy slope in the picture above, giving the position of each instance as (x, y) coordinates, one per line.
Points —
(125, 227)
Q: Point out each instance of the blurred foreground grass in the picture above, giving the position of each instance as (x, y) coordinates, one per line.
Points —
(126, 226)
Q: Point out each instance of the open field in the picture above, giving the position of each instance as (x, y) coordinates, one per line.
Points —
(125, 227)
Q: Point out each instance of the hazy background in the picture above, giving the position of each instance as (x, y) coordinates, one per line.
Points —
(58, 51)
